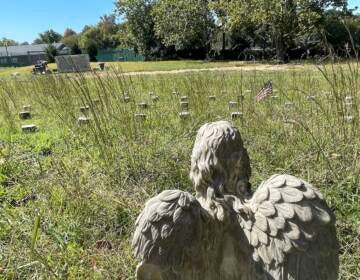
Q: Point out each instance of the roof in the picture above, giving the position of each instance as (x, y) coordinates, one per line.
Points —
(26, 49)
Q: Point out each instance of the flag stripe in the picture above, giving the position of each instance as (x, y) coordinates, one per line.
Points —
(265, 91)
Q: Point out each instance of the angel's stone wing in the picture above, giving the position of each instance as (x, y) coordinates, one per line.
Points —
(171, 236)
(291, 229)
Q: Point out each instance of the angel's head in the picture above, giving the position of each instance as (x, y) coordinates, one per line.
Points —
(219, 162)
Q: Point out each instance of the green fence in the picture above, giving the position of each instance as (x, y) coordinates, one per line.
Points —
(119, 55)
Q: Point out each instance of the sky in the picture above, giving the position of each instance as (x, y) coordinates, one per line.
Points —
(23, 20)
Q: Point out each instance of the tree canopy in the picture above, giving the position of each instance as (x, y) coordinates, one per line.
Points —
(218, 29)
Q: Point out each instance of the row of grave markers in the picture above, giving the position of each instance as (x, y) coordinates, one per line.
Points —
(26, 113)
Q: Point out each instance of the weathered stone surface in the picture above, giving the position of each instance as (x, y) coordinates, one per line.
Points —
(233, 105)
(85, 109)
(155, 98)
(126, 99)
(29, 128)
(184, 99)
(143, 105)
(27, 108)
(227, 232)
(83, 121)
(140, 117)
(236, 115)
(25, 115)
(184, 115)
(73, 63)
(184, 105)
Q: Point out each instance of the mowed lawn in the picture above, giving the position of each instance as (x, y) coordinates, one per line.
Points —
(68, 189)
(140, 66)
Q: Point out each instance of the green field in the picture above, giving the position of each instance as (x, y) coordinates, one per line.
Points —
(138, 66)
(66, 187)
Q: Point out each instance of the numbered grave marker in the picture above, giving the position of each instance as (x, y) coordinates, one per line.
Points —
(25, 115)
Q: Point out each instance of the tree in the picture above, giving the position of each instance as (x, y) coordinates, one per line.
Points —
(75, 49)
(108, 29)
(92, 50)
(139, 26)
(51, 52)
(342, 31)
(282, 20)
(69, 33)
(184, 24)
(91, 35)
(8, 42)
(48, 37)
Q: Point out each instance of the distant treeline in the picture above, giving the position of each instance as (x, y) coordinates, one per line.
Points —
(217, 29)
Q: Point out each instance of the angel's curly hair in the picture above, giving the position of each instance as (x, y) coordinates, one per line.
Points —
(220, 161)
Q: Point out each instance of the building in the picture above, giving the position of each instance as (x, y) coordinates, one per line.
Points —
(25, 55)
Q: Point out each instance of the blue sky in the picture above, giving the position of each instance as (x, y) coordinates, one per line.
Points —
(22, 20)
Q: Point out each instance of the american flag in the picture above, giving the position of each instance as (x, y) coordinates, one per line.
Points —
(265, 91)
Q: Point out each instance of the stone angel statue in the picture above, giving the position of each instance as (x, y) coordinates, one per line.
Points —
(284, 230)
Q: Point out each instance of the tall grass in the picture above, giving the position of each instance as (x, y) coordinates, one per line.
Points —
(92, 180)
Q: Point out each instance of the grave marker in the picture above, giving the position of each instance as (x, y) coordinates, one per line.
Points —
(236, 115)
(27, 107)
(184, 115)
(143, 105)
(73, 63)
(184, 105)
(25, 115)
(83, 121)
(184, 99)
(140, 117)
(233, 104)
(29, 128)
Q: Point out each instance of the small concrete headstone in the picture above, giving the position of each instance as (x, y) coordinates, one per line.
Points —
(29, 128)
(27, 107)
(155, 98)
(348, 98)
(83, 121)
(184, 115)
(25, 115)
(311, 98)
(247, 91)
(84, 109)
(143, 105)
(126, 98)
(184, 105)
(349, 119)
(236, 115)
(289, 105)
(140, 117)
(212, 98)
(175, 93)
(233, 104)
(274, 96)
(348, 101)
(184, 99)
